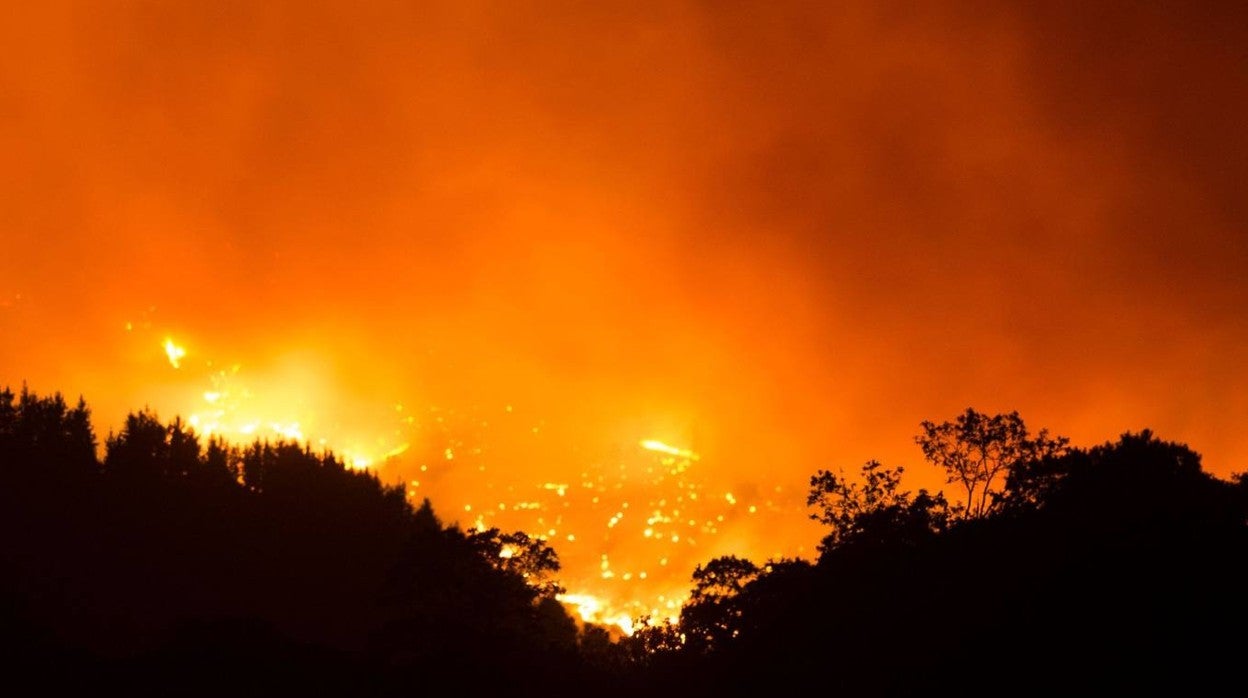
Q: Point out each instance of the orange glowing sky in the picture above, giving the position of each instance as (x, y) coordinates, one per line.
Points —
(780, 234)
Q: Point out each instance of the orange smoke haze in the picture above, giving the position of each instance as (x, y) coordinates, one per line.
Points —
(777, 234)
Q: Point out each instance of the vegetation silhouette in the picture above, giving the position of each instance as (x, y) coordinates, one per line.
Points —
(204, 563)
(1115, 568)
(976, 451)
(175, 565)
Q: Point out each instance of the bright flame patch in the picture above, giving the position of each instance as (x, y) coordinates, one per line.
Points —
(174, 352)
(659, 446)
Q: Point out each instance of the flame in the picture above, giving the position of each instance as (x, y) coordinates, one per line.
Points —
(633, 530)
(659, 446)
(232, 407)
(174, 352)
(629, 528)
(592, 609)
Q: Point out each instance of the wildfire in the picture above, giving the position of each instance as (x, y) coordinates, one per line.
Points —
(591, 609)
(230, 408)
(629, 528)
(629, 532)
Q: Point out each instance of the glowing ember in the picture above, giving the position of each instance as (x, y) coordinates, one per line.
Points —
(174, 352)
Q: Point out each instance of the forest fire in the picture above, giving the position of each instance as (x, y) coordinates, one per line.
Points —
(629, 527)
(467, 287)
(229, 407)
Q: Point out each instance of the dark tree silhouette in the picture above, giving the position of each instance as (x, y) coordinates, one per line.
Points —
(979, 452)
(174, 558)
(1113, 568)
(712, 616)
(1119, 566)
(47, 431)
(653, 638)
(520, 554)
(141, 451)
(876, 513)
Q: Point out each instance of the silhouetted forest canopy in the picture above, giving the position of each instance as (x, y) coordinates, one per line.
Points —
(175, 565)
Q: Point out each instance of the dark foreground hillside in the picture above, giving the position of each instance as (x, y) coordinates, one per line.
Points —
(1123, 568)
(175, 566)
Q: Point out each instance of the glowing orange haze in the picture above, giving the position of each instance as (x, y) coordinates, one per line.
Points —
(779, 237)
